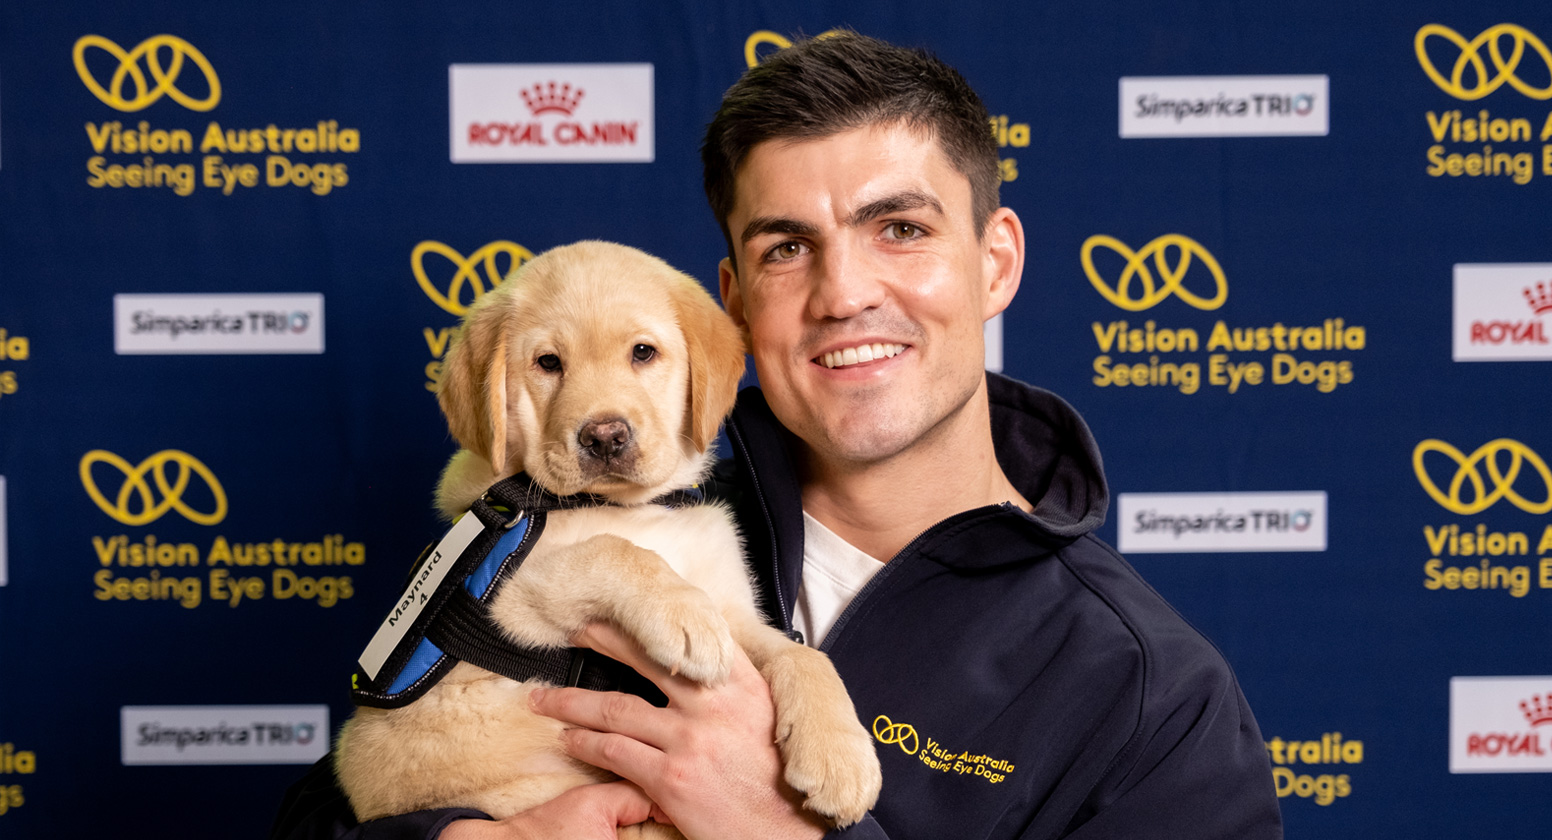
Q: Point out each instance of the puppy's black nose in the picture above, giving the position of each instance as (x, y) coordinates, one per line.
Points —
(605, 439)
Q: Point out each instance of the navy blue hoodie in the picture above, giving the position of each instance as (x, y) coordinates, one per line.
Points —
(1021, 679)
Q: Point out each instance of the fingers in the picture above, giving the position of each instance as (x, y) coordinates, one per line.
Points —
(616, 753)
(588, 812)
(605, 711)
(613, 803)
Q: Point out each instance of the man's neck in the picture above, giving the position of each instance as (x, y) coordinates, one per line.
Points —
(881, 506)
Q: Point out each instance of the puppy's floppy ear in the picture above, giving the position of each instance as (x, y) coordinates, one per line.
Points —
(716, 350)
(473, 392)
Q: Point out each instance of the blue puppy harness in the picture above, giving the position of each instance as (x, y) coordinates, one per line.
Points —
(442, 617)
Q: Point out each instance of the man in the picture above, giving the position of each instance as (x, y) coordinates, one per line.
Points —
(925, 523)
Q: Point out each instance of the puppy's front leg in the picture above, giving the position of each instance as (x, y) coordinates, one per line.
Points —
(557, 592)
(828, 754)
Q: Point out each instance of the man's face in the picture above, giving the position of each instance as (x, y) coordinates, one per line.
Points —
(864, 287)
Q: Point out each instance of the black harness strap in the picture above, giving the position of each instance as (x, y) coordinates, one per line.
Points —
(459, 625)
(464, 631)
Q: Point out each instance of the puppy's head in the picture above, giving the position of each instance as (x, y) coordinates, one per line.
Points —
(594, 368)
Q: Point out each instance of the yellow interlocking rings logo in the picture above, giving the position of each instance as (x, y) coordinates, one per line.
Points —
(1471, 56)
(889, 732)
(777, 40)
(129, 68)
(467, 271)
(1467, 472)
(1137, 269)
(135, 485)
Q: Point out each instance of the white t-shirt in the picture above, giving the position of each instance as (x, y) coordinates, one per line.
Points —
(834, 571)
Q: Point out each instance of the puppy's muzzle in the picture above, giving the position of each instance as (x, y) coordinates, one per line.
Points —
(606, 445)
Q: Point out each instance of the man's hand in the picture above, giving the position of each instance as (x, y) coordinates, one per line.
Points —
(709, 760)
(589, 812)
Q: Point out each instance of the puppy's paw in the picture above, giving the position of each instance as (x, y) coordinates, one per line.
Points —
(836, 768)
(828, 754)
(684, 632)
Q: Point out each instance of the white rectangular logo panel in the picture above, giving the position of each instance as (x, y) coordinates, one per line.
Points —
(1224, 106)
(1502, 312)
(223, 734)
(1195, 522)
(551, 113)
(217, 324)
(1501, 724)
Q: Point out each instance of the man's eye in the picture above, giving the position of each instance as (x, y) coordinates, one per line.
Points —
(786, 251)
(549, 361)
(903, 230)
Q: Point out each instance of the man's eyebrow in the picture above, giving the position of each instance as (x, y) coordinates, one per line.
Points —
(897, 203)
(762, 225)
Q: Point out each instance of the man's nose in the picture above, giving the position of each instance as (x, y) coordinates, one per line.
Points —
(847, 283)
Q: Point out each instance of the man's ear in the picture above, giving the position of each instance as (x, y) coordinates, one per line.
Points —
(732, 297)
(473, 390)
(1003, 265)
(716, 351)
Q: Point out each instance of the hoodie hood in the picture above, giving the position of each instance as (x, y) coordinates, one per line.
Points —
(1049, 454)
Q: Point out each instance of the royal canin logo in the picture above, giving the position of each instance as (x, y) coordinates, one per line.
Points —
(1540, 300)
(1528, 331)
(552, 99)
(1537, 709)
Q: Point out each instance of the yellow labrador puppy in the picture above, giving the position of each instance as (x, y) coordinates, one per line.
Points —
(597, 368)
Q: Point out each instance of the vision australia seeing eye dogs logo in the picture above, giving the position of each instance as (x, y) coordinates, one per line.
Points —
(166, 78)
(135, 488)
(1171, 277)
(763, 37)
(467, 271)
(889, 732)
(1505, 67)
(1468, 471)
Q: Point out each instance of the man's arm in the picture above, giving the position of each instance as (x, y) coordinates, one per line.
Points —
(1198, 768)
(709, 760)
(316, 809)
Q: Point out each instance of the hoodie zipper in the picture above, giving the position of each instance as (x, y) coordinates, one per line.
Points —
(737, 438)
(889, 568)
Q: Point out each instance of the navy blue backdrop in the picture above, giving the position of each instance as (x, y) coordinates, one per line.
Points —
(1286, 165)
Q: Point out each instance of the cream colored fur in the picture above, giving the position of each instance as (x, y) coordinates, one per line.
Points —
(672, 579)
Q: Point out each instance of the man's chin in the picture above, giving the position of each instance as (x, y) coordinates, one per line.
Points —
(863, 442)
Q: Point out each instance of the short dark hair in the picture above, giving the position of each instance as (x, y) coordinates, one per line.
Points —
(839, 81)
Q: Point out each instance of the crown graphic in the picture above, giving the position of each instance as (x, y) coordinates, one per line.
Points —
(1538, 709)
(551, 98)
(1540, 300)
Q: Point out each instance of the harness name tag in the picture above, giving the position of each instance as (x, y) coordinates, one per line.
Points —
(418, 593)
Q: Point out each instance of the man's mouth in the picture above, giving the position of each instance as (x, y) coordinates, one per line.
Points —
(859, 354)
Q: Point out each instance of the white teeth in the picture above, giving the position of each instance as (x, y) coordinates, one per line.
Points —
(859, 354)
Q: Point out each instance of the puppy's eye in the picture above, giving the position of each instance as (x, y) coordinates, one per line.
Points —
(643, 352)
(549, 361)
